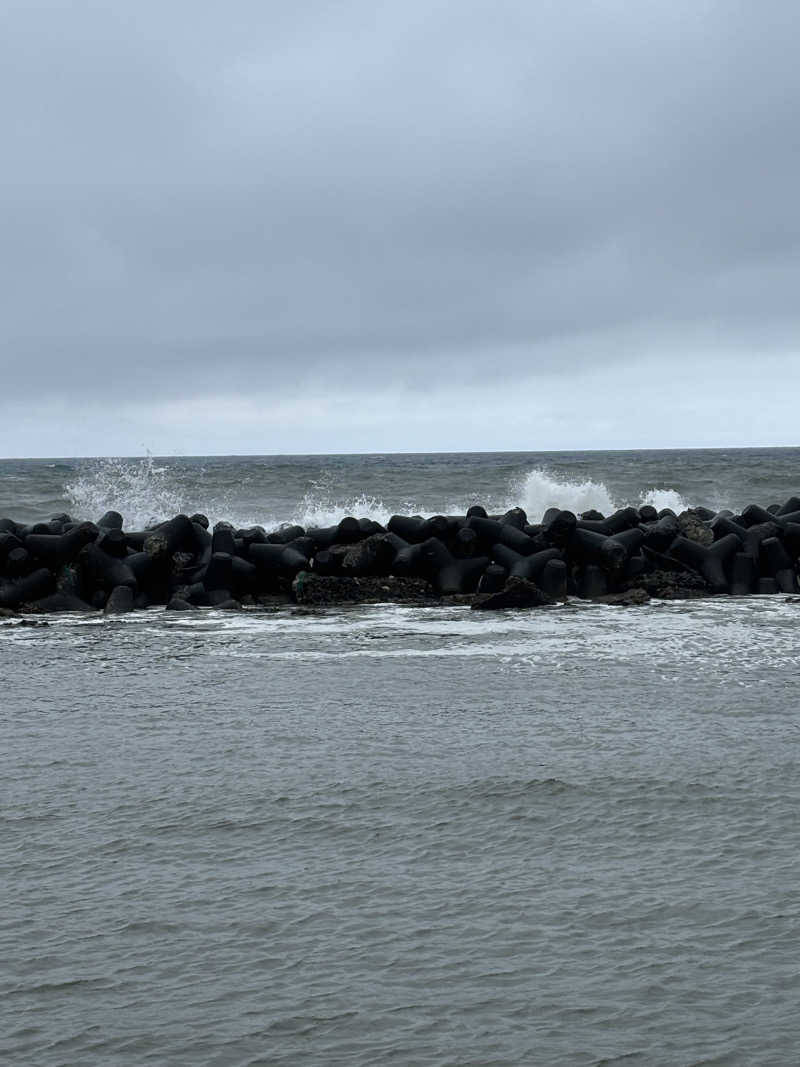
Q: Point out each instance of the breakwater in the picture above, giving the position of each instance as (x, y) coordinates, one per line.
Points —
(488, 560)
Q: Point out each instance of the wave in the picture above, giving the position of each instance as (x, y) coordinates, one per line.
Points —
(540, 491)
(663, 498)
(321, 505)
(325, 511)
(146, 493)
(537, 491)
(141, 491)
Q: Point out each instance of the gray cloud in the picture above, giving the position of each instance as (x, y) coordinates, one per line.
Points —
(200, 198)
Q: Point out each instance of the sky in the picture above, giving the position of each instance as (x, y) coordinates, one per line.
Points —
(409, 226)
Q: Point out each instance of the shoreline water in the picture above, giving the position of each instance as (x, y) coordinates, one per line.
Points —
(269, 833)
(240, 837)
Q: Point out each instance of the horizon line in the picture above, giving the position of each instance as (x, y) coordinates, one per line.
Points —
(437, 452)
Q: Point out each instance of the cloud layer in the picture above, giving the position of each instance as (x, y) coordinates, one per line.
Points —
(210, 209)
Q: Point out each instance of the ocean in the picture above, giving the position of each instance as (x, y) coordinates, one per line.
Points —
(393, 834)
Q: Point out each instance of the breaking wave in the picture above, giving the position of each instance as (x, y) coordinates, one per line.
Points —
(145, 493)
(540, 491)
(325, 510)
(141, 491)
(663, 498)
(535, 493)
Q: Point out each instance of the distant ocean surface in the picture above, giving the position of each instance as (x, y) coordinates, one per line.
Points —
(401, 835)
(321, 489)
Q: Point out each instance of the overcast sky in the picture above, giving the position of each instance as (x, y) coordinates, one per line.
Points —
(398, 226)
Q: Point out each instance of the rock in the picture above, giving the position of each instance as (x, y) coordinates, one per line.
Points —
(120, 600)
(310, 588)
(58, 602)
(516, 593)
(272, 600)
(625, 599)
(373, 556)
(177, 604)
(672, 585)
(693, 528)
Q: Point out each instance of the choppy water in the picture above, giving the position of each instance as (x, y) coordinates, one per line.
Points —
(321, 489)
(403, 835)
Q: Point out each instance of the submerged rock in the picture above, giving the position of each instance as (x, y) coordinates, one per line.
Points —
(179, 604)
(672, 585)
(229, 605)
(516, 593)
(625, 599)
(310, 588)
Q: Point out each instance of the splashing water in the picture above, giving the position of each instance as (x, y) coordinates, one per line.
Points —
(663, 498)
(320, 505)
(141, 491)
(145, 493)
(536, 492)
(315, 511)
(540, 491)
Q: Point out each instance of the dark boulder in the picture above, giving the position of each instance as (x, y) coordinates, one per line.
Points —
(177, 604)
(627, 598)
(672, 585)
(320, 590)
(516, 593)
(120, 600)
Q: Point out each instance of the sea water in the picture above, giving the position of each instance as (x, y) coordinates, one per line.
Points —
(401, 835)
